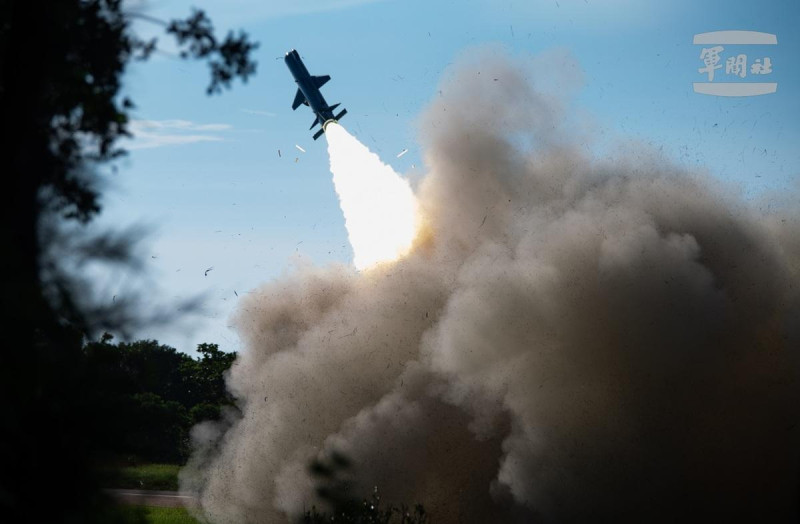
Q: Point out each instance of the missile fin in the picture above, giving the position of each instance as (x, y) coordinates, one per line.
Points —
(299, 98)
(320, 81)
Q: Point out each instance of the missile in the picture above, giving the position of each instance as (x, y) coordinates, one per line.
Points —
(308, 93)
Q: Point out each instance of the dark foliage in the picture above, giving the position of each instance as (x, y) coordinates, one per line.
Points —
(368, 512)
(333, 475)
(150, 395)
(231, 54)
(61, 114)
(153, 429)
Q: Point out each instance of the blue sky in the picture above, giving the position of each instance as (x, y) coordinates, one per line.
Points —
(204, 173)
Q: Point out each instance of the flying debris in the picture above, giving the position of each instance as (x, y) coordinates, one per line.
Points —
(308, 93)
(300, 148)
(207, 270)
(403, 152)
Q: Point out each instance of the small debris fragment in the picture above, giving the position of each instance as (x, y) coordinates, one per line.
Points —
(300, 148)
(207, 270)
(350, 334)
(403, 152)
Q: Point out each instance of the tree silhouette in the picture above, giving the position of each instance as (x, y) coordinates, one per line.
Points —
(61, 113)
(149, 395)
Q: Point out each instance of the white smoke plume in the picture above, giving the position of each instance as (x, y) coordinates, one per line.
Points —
(567, 341)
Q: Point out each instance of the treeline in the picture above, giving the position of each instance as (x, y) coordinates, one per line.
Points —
(149, 396)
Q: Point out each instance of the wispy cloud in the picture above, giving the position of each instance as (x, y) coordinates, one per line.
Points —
(257, 112)
(148, 134)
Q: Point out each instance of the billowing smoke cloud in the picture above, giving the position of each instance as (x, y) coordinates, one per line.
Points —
(567, 341)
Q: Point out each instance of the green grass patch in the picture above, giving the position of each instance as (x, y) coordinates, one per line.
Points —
(153, 515)
(145, 476)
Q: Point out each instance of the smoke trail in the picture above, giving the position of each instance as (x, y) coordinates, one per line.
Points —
(379, 207)
(574, 341)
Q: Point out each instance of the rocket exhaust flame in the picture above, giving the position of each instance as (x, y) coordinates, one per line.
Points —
(379, 208)
(578, 341)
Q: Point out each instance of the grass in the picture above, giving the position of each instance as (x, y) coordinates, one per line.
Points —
(146, 476)
(155, 515)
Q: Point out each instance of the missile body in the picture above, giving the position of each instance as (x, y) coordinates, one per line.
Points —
(308, 93)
